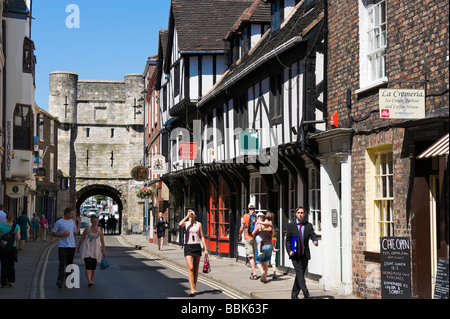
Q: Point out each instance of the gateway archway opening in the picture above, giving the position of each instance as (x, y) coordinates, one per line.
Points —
(94, 199)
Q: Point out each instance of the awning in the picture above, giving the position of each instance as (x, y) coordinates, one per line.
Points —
(437, 149)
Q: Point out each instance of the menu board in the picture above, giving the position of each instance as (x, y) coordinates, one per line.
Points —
(395, 268)
(441, 287)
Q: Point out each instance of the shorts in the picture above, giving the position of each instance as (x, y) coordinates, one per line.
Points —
(250, 248)
(266, 254)
(91, 263)
(194, 250)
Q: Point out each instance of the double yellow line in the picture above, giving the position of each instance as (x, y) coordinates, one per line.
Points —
(182, 271)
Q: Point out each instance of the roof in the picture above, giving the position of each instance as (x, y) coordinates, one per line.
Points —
(296, 28)
(258, 12)
(439, 148)
(202, 24)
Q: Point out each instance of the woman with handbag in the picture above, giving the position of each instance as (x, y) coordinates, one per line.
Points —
(92, 246)
(192, 248)
(8, 255)
(43, 225)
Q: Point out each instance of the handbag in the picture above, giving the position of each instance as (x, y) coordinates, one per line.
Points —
(206, 265)
(104, 263)
(7, 240)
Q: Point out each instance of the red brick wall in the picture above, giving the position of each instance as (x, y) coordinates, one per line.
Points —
(418, 47)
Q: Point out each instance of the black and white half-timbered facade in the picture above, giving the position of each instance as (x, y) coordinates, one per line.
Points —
(246, 112)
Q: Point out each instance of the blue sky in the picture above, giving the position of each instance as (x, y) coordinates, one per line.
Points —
(115, 37)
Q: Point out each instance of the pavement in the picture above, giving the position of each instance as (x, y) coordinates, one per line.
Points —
(226, 271)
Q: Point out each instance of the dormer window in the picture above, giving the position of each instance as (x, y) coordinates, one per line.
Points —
(277, 14)
(29, 59)
(245, 40)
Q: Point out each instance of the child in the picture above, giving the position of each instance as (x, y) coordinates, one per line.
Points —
(261, 220)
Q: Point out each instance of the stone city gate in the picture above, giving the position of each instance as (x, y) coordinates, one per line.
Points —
(100, 140)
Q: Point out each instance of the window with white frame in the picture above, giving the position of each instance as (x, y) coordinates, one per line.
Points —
(52, 132)
(379, 195)
(373, 42)
(292, 199)
(315, 216)
(258, 193)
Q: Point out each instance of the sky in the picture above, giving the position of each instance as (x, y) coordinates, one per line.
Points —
(97, 39)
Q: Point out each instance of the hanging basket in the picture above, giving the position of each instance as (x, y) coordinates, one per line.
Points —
(145, 192)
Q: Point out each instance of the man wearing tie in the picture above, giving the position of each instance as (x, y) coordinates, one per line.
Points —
(298, 252)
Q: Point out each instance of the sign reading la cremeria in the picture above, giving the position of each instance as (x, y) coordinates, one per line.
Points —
(402, 103)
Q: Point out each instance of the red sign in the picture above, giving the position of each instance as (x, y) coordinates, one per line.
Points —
(334, 121)
(385, 113)
(188, 150)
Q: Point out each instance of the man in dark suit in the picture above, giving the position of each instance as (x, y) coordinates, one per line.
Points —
(302, 254)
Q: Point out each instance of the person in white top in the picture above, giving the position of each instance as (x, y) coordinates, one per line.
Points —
(92, 245)
(2, 214)
(192, 248)
(65, 230)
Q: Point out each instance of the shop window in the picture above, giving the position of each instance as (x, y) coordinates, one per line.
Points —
(315, 216)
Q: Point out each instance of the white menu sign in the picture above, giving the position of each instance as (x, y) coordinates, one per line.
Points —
(402, 103)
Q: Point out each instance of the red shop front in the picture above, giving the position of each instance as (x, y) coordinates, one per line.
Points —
(218, 219)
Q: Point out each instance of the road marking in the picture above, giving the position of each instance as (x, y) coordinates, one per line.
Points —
(41, 283)
(182, 271)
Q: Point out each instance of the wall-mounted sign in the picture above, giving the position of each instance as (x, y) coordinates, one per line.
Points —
(402, 104)
(139, 173)
(249, 143)
(188, 150)
(15, 190)
(158, 164)
(40, 172)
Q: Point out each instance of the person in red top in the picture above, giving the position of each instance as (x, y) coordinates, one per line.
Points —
(250, 244)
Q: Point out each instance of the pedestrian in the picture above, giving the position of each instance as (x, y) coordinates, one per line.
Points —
(92, 246)
(43, 226)
(7, 258)
(298, 233)
(102, 223)
(161, 225)
(23, 221)
(2, 214)
(192, 248)
(273, 259)
(65, 230)
(248, 222)
(265, 232)
(35, 226)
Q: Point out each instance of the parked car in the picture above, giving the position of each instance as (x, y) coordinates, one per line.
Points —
(92, 212)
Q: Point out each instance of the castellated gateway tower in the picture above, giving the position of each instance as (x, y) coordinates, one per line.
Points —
(100, 140)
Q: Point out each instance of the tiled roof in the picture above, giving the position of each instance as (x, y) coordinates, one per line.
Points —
(297, 26)
(202, 24)
(258, 12)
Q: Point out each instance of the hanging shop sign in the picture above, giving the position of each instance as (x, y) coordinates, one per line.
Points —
(158, 164)
(249, 143)
(139, 173)
(188, 150)
(402, 104)
(15, 190)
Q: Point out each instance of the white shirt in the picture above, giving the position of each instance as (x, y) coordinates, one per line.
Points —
(60, 227)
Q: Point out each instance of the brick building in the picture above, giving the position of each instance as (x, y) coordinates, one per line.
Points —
(47, 183)
(396, 191)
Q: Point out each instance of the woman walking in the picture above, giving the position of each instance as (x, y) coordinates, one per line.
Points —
(192, 248)
(266, 234)
(7, 258)
(161, 225)
(92, 244)
(23, 221)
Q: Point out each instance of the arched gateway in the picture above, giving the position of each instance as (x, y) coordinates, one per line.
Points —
(100, 140)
